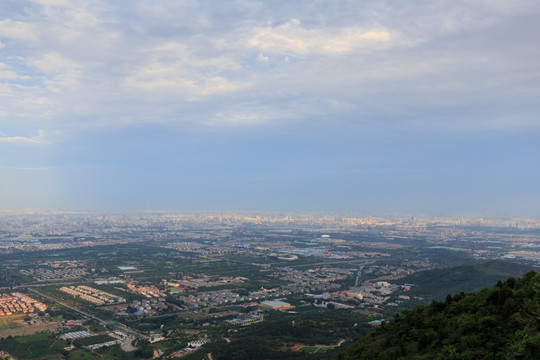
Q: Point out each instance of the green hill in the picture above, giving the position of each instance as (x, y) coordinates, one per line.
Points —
(437, 283)
(498, 323)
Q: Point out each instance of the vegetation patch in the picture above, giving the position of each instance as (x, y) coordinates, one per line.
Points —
(497, 323)
(93, 340)
(33, 346)
(6, 324)
(315, 349)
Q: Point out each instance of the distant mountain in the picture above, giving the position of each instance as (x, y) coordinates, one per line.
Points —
(437, 283)
(498, 323)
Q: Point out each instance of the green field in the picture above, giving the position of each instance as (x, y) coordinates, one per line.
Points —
(437, 283)
(33, 346)
(93, 340)
(81, 354)
(314, 349)
(6, 324)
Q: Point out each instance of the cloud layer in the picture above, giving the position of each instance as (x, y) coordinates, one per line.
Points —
(271, 70)
(70, 58)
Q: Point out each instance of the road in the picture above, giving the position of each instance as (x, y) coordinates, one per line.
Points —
(58, 301)
(62, 283)
(119, 326)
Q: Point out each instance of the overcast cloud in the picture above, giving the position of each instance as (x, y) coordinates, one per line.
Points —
(367, 106)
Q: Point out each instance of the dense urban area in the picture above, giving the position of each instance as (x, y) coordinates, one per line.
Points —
(170, 285)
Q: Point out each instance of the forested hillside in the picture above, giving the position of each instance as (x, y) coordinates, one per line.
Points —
(437, 283)
(498, 323)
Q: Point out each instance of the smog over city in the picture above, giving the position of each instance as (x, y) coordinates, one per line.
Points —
(269, 179)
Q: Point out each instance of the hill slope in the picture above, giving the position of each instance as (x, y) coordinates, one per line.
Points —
(437, 283)
(498, 323)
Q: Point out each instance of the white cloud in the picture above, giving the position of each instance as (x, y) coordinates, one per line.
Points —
(235, 119)
(8, 75)
(263, 58)
(14, 139)
(98, 60)
(52, 2)
(182, 56)
(62, 72)
(173, 66)
(17, 30)
(170, 79)
(53, 62)
(42, 101)
(292, 39)
(5, 73)
(39, 139)
(6, 90)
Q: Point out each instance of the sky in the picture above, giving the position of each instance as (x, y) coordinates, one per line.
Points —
(369, 107)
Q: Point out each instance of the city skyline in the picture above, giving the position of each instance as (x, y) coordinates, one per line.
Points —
(330, 107)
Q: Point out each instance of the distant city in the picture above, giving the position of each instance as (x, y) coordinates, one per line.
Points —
(170, 285)
(515, 238)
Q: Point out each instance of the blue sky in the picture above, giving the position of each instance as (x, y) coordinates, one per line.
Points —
(337, 106)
